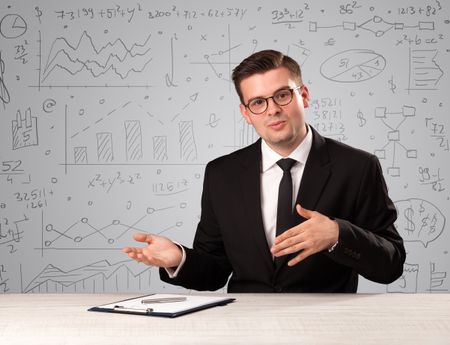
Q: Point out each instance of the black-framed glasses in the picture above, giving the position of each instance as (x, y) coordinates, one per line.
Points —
(282, 97)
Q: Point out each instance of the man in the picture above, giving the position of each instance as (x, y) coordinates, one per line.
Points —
(340, 218)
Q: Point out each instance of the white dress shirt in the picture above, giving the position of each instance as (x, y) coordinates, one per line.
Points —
(271, 175)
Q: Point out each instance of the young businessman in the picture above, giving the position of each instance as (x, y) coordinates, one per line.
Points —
(339, 223)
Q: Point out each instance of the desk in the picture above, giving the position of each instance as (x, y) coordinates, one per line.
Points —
(253, 319)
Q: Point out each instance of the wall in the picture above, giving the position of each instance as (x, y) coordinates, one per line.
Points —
(110, 110)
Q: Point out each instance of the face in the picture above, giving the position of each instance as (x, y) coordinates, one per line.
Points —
(282, 127)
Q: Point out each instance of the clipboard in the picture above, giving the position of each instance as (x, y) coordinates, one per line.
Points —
(163, 305)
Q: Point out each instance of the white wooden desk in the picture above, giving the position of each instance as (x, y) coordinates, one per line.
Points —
(252, 319)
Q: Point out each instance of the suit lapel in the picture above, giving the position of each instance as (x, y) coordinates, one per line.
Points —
(251, 191)
(316, 173)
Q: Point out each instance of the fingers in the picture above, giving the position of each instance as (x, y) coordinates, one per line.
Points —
(289, 248)
(137, 254)
(141, 237)
(301, 256)
(304, 212)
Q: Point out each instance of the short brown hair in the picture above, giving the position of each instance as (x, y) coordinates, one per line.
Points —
(264, 61)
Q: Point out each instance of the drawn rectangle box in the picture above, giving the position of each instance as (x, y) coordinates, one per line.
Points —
(409, 111)
(313, 26)
(350, 26)
(399, 26)
(394, 135)
(80, 155)
(24, 130)
(380, 112)
(411, 153)
(426, 25)
(104, 147)
(381, 154)
(394, 171)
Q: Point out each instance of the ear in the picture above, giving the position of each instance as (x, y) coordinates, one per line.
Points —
(245, 114)
(305, 95)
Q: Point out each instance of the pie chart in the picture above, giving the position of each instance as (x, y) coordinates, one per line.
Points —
(12, 26)
(352, 66)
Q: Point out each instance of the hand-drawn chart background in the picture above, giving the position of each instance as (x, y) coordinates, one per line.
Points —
(109, 114)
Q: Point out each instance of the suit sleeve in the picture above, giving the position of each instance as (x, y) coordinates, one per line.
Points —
(206, 266)
(373, 247)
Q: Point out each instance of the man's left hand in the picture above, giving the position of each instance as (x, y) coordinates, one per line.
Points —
(316, 233)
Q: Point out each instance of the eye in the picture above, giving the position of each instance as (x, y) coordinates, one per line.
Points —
(257, 102)
(283, 95)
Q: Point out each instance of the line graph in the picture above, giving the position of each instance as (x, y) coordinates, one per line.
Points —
(100, 276)
(94, 60)
(83, 234)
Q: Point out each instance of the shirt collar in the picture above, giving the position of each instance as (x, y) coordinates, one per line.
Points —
(300, 154)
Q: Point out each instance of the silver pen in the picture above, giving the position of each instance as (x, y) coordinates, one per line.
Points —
(132, 310)
(163, 300)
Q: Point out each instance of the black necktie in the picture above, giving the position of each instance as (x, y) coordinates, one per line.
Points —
(284, 209)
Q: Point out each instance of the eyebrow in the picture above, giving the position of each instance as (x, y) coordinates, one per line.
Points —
(279, 89)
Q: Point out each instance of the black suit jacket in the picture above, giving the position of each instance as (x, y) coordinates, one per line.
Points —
(338, 181)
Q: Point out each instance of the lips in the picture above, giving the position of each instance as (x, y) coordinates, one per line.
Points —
(276, 124)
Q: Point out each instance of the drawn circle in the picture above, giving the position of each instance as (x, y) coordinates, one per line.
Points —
(183, 205)
(179, 224)
(47, 243)
(446, 21)
(54, 180)
(12, 26)
(81, 112)
(379, 33)
(48, 105)
(84, 220)
(115, 222)
(188, 79)
(78, 239)
(47, 153)
(90, 203)
(197, 176)
(101, 101)
(150, 210)
(49, 227)
(110, 240)
(158, 172)
(352, 66)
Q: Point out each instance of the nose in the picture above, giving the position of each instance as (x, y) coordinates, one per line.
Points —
(272, 107)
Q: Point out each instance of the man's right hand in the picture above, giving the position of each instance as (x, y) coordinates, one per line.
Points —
(160, 251)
